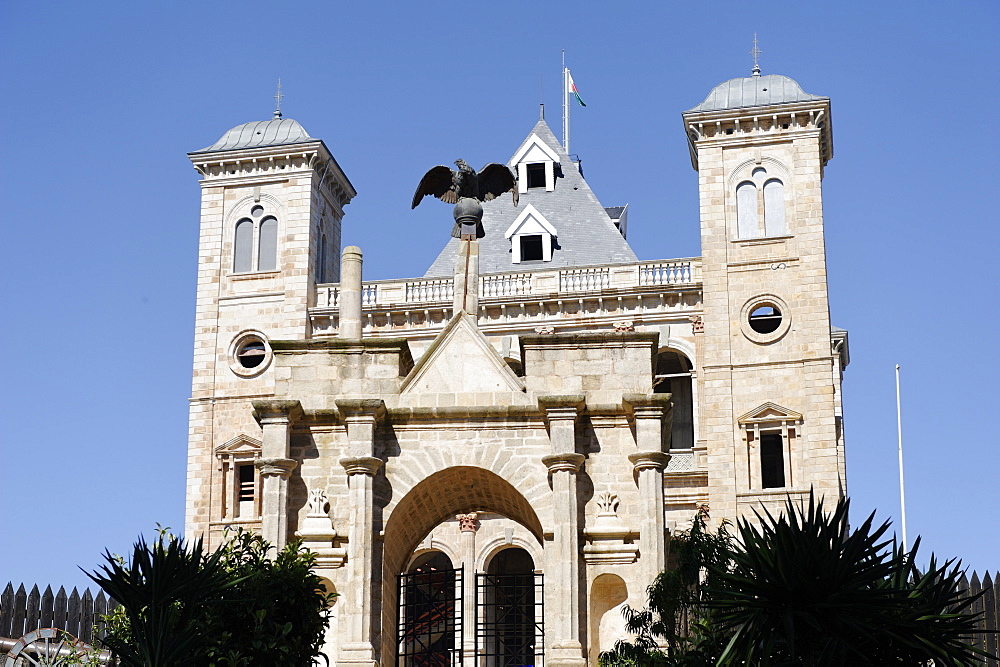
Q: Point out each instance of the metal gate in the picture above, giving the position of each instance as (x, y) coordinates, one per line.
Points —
(429, 619)
(510, 628)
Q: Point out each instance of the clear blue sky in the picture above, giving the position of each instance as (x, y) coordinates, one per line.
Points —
(103, 99)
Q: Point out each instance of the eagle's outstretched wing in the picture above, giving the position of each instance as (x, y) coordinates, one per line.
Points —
(494, 180)
(438, 182)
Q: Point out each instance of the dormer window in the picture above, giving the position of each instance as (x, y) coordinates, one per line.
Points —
(537, 165)
(531, 237)
(536, 175)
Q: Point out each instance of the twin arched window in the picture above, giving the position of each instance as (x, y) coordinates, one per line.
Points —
(255, 246)
(760, 206)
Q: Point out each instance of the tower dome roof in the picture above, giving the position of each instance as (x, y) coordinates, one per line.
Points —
(274, 132)
(754, 91)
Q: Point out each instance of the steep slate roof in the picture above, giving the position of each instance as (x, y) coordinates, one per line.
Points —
(754, 91)
(586, 235)
(274, 132)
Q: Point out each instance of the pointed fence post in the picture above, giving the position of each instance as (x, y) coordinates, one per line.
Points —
(45, 615)
(31, 613)
(20, 607)
(100, 611)
(989, 621)
(86, 616)
(59, 613)
(73, 614)
(7, 610)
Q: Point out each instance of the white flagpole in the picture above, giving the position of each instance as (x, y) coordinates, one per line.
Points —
(899, 431)
(565, 77)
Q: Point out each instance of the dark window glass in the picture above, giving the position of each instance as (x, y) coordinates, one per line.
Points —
(765, 319)
(246, 473)
(531, 247)
(536, 175)
(772, 461)
(252, 354)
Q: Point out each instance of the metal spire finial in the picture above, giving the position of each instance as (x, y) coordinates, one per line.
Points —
(755, 52)
(277, 99)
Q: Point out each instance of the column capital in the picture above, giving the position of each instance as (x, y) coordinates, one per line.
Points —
(361, 409)
(647, 406)
(565, 406)
(276, 411)
(275, 467)
(364, 465)
(649, 460)
(468, 523)
(561, 462)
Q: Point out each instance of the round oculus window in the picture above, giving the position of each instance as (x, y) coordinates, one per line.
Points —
(764, 319)
(250, 354)
(257, 211)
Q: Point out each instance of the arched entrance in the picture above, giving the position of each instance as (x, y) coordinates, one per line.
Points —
(429, 611)
(509, 596)
(438, 497)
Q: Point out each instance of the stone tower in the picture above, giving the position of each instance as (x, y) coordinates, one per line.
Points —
(770, 375)
(272, 202)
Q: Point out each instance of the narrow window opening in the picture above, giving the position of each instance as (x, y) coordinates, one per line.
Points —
(536, 175)
(246, 491)
(747, 226)
(765, 319)
(772, 461)
(531, 247)
(268, 246)
(774, 208)
(243, 247)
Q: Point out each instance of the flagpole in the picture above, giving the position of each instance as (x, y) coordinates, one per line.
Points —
(565, 78)
(899, 431)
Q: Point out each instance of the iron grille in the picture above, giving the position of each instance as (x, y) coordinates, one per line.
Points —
(430, 619)
(510, 627)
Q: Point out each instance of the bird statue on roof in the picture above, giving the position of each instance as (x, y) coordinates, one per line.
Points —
(452, 187)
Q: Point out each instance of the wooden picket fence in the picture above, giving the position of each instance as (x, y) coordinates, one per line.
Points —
(79, 615)
(987, 605)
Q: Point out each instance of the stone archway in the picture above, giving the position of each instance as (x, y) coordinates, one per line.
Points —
(440, 496)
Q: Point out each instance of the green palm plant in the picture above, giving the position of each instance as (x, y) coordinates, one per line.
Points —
(806, 589)
(162, 591)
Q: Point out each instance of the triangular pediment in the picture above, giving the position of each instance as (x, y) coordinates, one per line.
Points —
(770, 412)
(534, 149)
(241, 444)
(461, 360)
(530, 221)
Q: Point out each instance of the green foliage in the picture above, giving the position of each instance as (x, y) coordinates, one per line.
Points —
(800, 589)
(234, 607)
(804, 589)
(677, 628)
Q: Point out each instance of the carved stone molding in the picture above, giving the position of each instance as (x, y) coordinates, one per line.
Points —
(364, 465)
(468, 523)
(278, 467)
(649, 460)
(276, 411)
(563, 462)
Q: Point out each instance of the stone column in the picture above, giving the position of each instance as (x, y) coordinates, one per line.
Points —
(469, 525)
(350, 293)
(361, 417)
(562, 558)
(468, 226)
(651, 414)
(275, 418)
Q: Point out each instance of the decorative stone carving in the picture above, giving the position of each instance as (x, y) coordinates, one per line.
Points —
(544, 330)
(624, 325)
(609, 540)
(318, 534)
(468, 523)
(697, 324)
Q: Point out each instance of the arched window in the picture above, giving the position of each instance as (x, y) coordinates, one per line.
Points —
(267, 255)
(746, 211)
(427, 599)
(243, 247)
(774, 208)
(321, 260)
(255, 243)
(511, 621)
(673, 376)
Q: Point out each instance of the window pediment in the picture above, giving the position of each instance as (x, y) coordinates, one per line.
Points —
(241, 444)
(770, 412)
(530, 221)
(534, 150)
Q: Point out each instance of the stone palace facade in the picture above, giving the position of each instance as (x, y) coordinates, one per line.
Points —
(489, 459)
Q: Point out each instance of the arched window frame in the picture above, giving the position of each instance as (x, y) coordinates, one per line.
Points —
(756, 213)
(262, 254)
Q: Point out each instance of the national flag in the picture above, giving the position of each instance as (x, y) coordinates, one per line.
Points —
(572, 88)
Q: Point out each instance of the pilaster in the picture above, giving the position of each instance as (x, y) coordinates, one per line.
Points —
(275, 418)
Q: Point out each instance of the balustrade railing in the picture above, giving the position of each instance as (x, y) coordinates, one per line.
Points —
(665, 273)
(584, 280)
(505, 284)
(420, 291)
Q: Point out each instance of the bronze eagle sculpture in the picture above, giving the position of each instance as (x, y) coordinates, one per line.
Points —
(449, 185)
